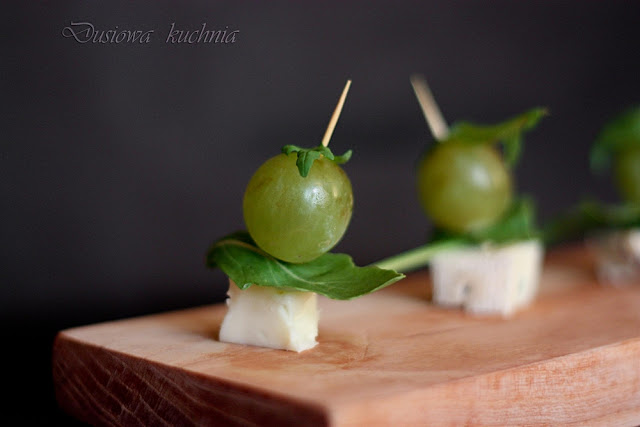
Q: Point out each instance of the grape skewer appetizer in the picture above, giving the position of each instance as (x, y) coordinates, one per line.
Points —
(612, 231)
(484, 254)
(297, 206)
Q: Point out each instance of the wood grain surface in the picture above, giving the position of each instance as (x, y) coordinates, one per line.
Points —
(389, 358)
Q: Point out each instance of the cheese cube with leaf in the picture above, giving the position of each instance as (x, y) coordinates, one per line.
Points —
(273, 303)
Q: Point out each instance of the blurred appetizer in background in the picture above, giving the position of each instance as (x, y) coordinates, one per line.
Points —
(484, 252)
(297, 207)
(612, 231)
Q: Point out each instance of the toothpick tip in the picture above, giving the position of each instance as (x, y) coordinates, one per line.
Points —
(336, 114)
(430, 109)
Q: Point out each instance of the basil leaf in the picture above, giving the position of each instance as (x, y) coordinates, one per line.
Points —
(421, 256)
(589, 216)
(518, 223)
(619, 134)
(306, 156)
(508, 132)
(332, 275)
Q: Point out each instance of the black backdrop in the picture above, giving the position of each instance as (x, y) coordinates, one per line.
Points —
(121, 162)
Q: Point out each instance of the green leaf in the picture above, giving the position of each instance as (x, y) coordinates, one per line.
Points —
(589, 216)
(508, 132)
(518, 223)
(419, 257)
(332, 275)
(619, 134)
(306, 156)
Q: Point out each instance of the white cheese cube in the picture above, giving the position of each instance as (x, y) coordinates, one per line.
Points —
(617, 256)
(270, 317)
(488, 279)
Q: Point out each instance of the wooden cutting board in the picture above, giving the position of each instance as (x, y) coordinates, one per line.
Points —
(389, 358)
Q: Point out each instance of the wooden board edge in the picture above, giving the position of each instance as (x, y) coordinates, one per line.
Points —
(606, 392)
(105, 387)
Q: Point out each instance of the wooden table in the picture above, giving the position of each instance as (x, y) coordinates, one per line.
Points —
(389, 358)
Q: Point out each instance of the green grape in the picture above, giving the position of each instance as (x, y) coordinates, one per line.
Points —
(463, 187)
(627, 174)
(293, 218)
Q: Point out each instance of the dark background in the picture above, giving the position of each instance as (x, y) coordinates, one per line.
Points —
(120, 163)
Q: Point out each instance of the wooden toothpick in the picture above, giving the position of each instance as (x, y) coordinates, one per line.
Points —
(336, 114)
(430, 109)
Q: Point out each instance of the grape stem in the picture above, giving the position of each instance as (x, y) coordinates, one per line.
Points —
(430, 109)
(336, 114)
(419, 257)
